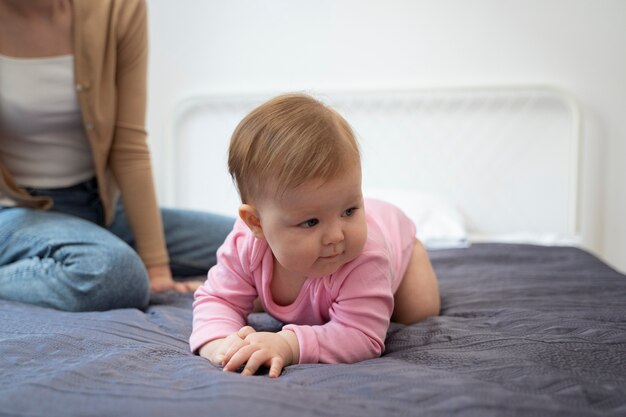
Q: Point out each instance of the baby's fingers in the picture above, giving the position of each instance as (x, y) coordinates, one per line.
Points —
(245, 331)
(276, 366)
(240, 357)
(232, 350)
(235, 342)
(255, 361)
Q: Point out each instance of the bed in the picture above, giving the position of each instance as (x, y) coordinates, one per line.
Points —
(531, 323)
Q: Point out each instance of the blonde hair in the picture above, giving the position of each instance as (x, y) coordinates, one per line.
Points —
(288, 141)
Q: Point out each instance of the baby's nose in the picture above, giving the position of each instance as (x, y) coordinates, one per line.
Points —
(333, 235)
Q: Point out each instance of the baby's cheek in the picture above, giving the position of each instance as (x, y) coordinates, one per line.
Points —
(360, 237)
(295, 256)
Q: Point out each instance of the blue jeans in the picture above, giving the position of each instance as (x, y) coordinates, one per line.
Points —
(66, 259)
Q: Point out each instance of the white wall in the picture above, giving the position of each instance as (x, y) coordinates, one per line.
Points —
(283, 45)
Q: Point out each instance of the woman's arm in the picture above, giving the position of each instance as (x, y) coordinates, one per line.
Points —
(130, 159)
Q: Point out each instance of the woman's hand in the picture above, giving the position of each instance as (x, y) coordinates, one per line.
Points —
(274, 350)
(161, 280)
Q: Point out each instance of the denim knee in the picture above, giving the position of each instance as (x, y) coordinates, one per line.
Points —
(114, 277)
(60, 261)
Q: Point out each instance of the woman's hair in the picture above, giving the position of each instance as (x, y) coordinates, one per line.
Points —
(286, 142)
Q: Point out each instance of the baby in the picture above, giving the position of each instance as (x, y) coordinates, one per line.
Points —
(333, 267)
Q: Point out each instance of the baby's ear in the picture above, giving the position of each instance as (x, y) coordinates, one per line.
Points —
(250, 216)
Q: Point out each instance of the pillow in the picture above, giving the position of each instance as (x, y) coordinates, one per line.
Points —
(439, 224)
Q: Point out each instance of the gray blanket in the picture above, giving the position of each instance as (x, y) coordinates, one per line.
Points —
(524, 331)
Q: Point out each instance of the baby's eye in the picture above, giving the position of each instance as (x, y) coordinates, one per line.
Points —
(349, 212)
(309, 223)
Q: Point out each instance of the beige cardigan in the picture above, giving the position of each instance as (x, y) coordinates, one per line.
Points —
(110, 54)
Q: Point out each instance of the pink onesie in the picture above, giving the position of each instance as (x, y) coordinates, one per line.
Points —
(339, 318)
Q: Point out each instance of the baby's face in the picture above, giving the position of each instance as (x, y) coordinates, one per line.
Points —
(317, 227)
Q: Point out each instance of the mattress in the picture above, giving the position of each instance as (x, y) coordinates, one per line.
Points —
(524, 331)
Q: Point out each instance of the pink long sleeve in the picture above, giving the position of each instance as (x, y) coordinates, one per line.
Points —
(222, 304)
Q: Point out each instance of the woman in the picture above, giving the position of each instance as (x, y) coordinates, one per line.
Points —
(72, 139)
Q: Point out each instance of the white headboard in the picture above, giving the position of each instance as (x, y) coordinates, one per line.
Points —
(506, 157)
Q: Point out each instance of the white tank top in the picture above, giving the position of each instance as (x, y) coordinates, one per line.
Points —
(42, 139)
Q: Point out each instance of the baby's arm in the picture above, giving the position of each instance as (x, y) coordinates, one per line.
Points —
(358, 318)
(358, 323)
(221, 305)
(274, 350)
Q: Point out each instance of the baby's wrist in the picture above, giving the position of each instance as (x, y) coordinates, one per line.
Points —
(208, 349)
(292, 341)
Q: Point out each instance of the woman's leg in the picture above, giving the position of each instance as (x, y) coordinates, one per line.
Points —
(192, 238)
(61, 261)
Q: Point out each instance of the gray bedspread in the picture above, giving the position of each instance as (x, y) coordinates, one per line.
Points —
(524, 331)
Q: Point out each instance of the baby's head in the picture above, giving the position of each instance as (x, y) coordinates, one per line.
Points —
(297, 166)
(286, 142)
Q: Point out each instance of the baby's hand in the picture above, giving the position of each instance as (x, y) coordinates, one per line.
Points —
(274, 350)
(216, 350)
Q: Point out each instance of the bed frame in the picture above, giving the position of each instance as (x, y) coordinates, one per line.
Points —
(506, 157)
